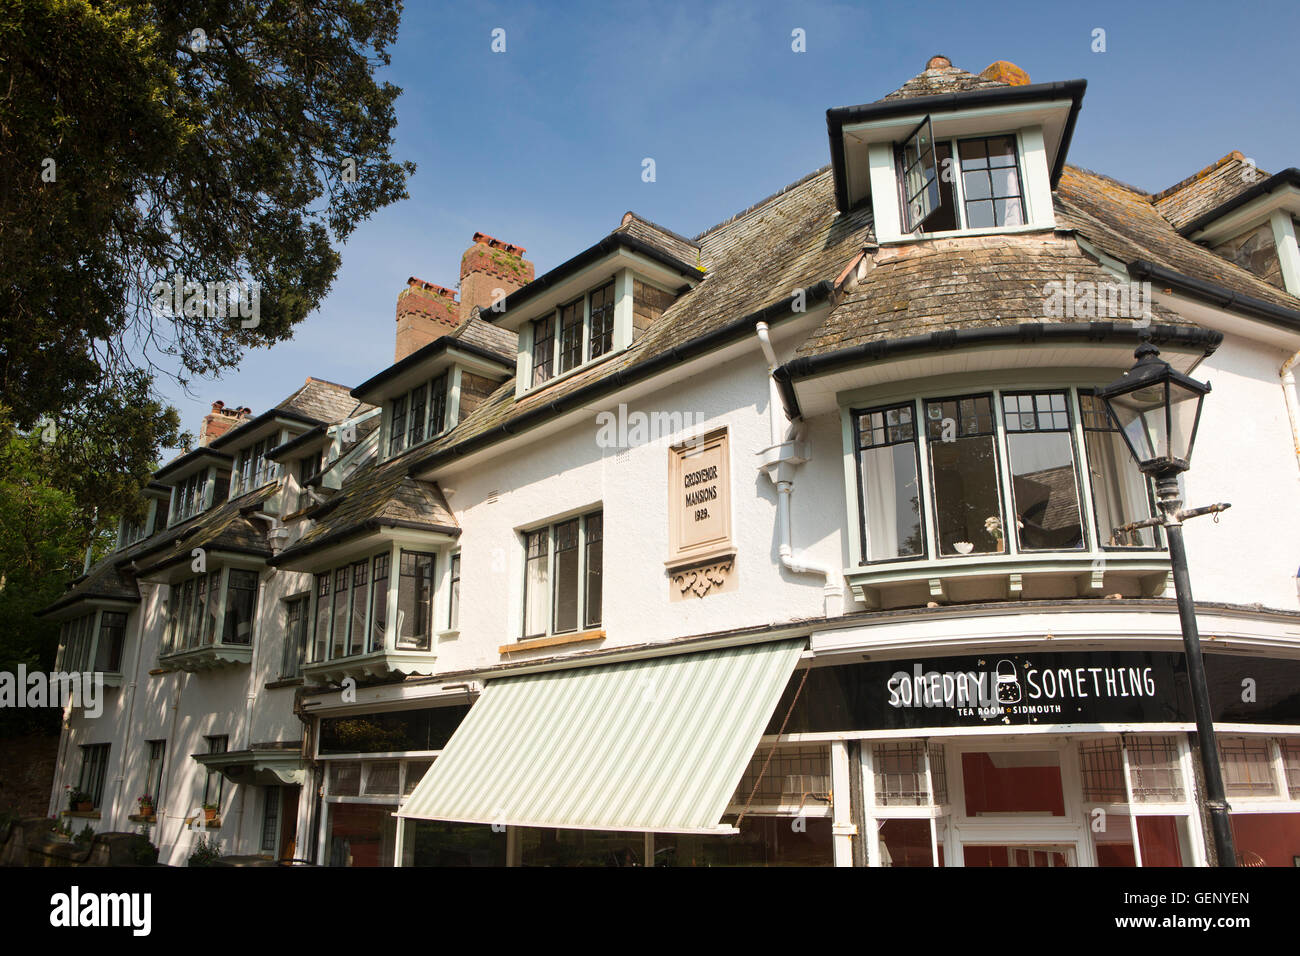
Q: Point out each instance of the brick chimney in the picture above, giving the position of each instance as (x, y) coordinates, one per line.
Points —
(220, 420)
(425, 313)
(487, 266)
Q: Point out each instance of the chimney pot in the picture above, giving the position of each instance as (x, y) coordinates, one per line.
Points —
(490, 269)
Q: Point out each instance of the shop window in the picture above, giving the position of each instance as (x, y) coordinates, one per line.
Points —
(361, 835)
(1291, 762)
(345, 779)
(997, 855)
(1101, 769)
(796, 777)
(1247, 767)
(1266, 839)
(381, 779)
(1155, 771)
(1013, 781)
(762, 841)
(415, 771)
(1112, 838)
(900, 778)
(438, 843)
(1040, 458)
(906, 843)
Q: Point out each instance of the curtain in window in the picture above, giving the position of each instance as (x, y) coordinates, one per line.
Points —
(1120, 492)
(888, 472)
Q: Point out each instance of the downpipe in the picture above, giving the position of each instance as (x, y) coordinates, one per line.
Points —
(779, 464)
(1287, 374)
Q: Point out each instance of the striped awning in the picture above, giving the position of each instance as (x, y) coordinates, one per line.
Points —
(657, 744)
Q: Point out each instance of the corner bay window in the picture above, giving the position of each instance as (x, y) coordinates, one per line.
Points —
(351, 614)
(994, 472)
(93, 641)
(575, 333)
(195, 605)
(562, 576)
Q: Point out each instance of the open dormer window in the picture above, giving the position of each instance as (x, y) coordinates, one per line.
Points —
(982, 189)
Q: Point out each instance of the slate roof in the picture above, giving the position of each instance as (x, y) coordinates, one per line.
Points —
(484, 335)
(957, 283)
(226, 527)
(105, 579)
(1202, 192)
(679, 247)
(940, 80)
(1123, 222)
(379, 494)
(322, 401)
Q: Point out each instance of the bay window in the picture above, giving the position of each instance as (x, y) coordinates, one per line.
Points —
(198, 604)
(95, 639)
(563, 566)
(351, 615)
(1000, 471)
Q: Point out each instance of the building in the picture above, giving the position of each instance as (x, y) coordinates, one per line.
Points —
(799, 541)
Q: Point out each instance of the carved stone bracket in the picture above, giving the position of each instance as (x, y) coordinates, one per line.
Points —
(700, 581)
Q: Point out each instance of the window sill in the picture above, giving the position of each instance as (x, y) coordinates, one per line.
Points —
(83, 814)
(576, 370)
(284, 682)
(968, 233)
(141, 818)
(449, 635)
(384, 663)
(555, 640)
(1015, 577)
(206, 658)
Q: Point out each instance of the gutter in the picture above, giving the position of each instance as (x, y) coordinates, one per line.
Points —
(1216, 294)
(837, 117)
(724, 335)
(1287, 177)
(1026, 333)
(370, 524)
(610, 243)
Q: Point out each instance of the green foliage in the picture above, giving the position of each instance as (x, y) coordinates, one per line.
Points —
(86, 835)
(205, 851)
(135, 149)
(143, 852)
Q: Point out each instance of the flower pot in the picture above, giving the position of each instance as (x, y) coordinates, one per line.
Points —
(1002, 546)
(85, 806)
(209, 815)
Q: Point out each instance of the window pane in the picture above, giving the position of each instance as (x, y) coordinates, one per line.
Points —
(438, 405)
(397, 426)
(1101, 768)
(322, 625)
(379, 604)
(602, 320)
(241, 605)
(1013, 781)
(1154, 772)
(1120, 493)
(270, 814)
(570, 335)
(980, 215)
(414, 601)
(963, 471)
(1043, 483)
(543, 342)
(415, 428)
(112, 633)
(453, 594)
(905, 843)
(595, 569)
(186, 632)
(991, 182)
(209, 635)
(889, 482)
(976, 185)
(566, 576)
(899, 772)
(535, 584)
(339, 635)
(1248, 767)
(295, 638)
(358, 632)
(1008, 212)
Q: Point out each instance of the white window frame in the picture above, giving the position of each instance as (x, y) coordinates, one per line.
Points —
(549, 527)
(449, 375)
(391, 605)
(616, 283)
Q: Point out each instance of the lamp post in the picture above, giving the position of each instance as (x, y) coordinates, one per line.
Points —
(1157, 410)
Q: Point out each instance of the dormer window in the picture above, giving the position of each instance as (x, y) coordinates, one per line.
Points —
(418, 415)
(988, 193)
(253, 469)
(574, 334)
(188, 498)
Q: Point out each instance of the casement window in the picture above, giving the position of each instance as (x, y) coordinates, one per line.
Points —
(196, 607)
(214, 784)
(453, 593)
(189, 497)
(94, 768)
(93, 640)
(995, 472)
(351, 614)
(253, 469)
(950, 184)
(153, 776)
(563, 566)
(308, 468)
(418, 415)
(576, 333)
(296, 614)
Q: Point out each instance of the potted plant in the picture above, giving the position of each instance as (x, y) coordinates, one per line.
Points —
(80, 801)
(205, 852)
(146, 805)
(993, 525)
(210, 811)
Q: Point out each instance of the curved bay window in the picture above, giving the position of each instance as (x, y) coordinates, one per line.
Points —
(355, 602)
(1002, 471)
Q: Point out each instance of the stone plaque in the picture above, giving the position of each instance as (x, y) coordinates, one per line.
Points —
(699, 501)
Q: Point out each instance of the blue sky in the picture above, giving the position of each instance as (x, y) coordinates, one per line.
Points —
(542, 145)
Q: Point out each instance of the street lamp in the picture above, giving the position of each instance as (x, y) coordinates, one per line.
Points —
(1157, 410)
